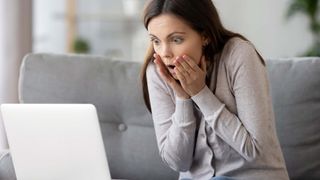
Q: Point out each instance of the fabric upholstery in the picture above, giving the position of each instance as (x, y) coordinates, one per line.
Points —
(295, 88)
(6, 168)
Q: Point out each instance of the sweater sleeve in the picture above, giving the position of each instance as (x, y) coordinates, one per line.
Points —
(174, 123)
(247, 130)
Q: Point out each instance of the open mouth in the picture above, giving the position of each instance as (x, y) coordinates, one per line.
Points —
(171, 67)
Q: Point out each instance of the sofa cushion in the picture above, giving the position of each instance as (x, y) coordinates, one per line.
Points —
(295, 88)
(113, 87)
(6, 166)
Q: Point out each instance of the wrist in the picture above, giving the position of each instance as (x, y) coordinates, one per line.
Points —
(197, 91)
(183, 97)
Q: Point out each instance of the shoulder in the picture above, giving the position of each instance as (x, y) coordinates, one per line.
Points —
(238, 52)
(151, 73)
(151, 69)
(237, 47)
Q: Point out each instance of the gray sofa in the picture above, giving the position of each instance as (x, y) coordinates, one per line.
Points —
(127, 128)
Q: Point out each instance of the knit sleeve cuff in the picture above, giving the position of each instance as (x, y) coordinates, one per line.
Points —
(184, 112)
(208, 103)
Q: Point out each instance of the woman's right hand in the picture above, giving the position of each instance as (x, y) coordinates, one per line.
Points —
(167, 77)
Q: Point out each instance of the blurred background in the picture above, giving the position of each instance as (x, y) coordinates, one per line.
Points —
(114, 28)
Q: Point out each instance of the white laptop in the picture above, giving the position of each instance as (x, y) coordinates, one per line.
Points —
(55, 141)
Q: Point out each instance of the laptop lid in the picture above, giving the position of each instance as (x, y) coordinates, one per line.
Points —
(55, 141)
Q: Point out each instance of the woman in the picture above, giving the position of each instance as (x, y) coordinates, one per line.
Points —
(208, 92)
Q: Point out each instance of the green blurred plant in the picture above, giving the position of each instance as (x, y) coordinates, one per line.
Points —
(311, 9)
(81, 45)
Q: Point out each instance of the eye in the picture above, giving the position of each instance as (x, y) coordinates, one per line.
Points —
(155, 41)
(177, 40)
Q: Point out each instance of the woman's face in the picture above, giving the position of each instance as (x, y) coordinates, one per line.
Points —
(172, 37)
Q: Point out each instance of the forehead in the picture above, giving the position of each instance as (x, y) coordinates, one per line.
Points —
(167, 23)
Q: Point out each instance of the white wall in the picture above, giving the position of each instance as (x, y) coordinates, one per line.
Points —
(264, 23)
(261, 21)
(49, 27)
(111, 30)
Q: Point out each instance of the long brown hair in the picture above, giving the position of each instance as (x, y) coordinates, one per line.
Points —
(200, 15)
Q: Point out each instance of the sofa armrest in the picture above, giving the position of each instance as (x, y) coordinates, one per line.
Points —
(6, 166)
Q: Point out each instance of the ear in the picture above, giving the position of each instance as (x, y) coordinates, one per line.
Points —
(205, 40)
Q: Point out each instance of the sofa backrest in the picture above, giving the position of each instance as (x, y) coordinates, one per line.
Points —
(295, 89)
(113, 87)
(127, 128)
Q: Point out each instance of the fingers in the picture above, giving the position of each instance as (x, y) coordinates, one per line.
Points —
(190, 62)
(181, 75)
(188, 66)
(166, 76)
(183, 66)
(162, 70)
(158, 61)
(202, 66)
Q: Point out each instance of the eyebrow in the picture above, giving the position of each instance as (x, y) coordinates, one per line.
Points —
(171, 34)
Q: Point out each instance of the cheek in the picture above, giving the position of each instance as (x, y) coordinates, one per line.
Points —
(194, 51)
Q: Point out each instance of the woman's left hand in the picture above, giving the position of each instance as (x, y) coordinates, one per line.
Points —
(191, 76)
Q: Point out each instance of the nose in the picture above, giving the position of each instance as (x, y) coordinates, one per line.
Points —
(166, 52)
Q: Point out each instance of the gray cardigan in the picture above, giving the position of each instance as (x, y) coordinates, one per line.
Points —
(228, 132)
